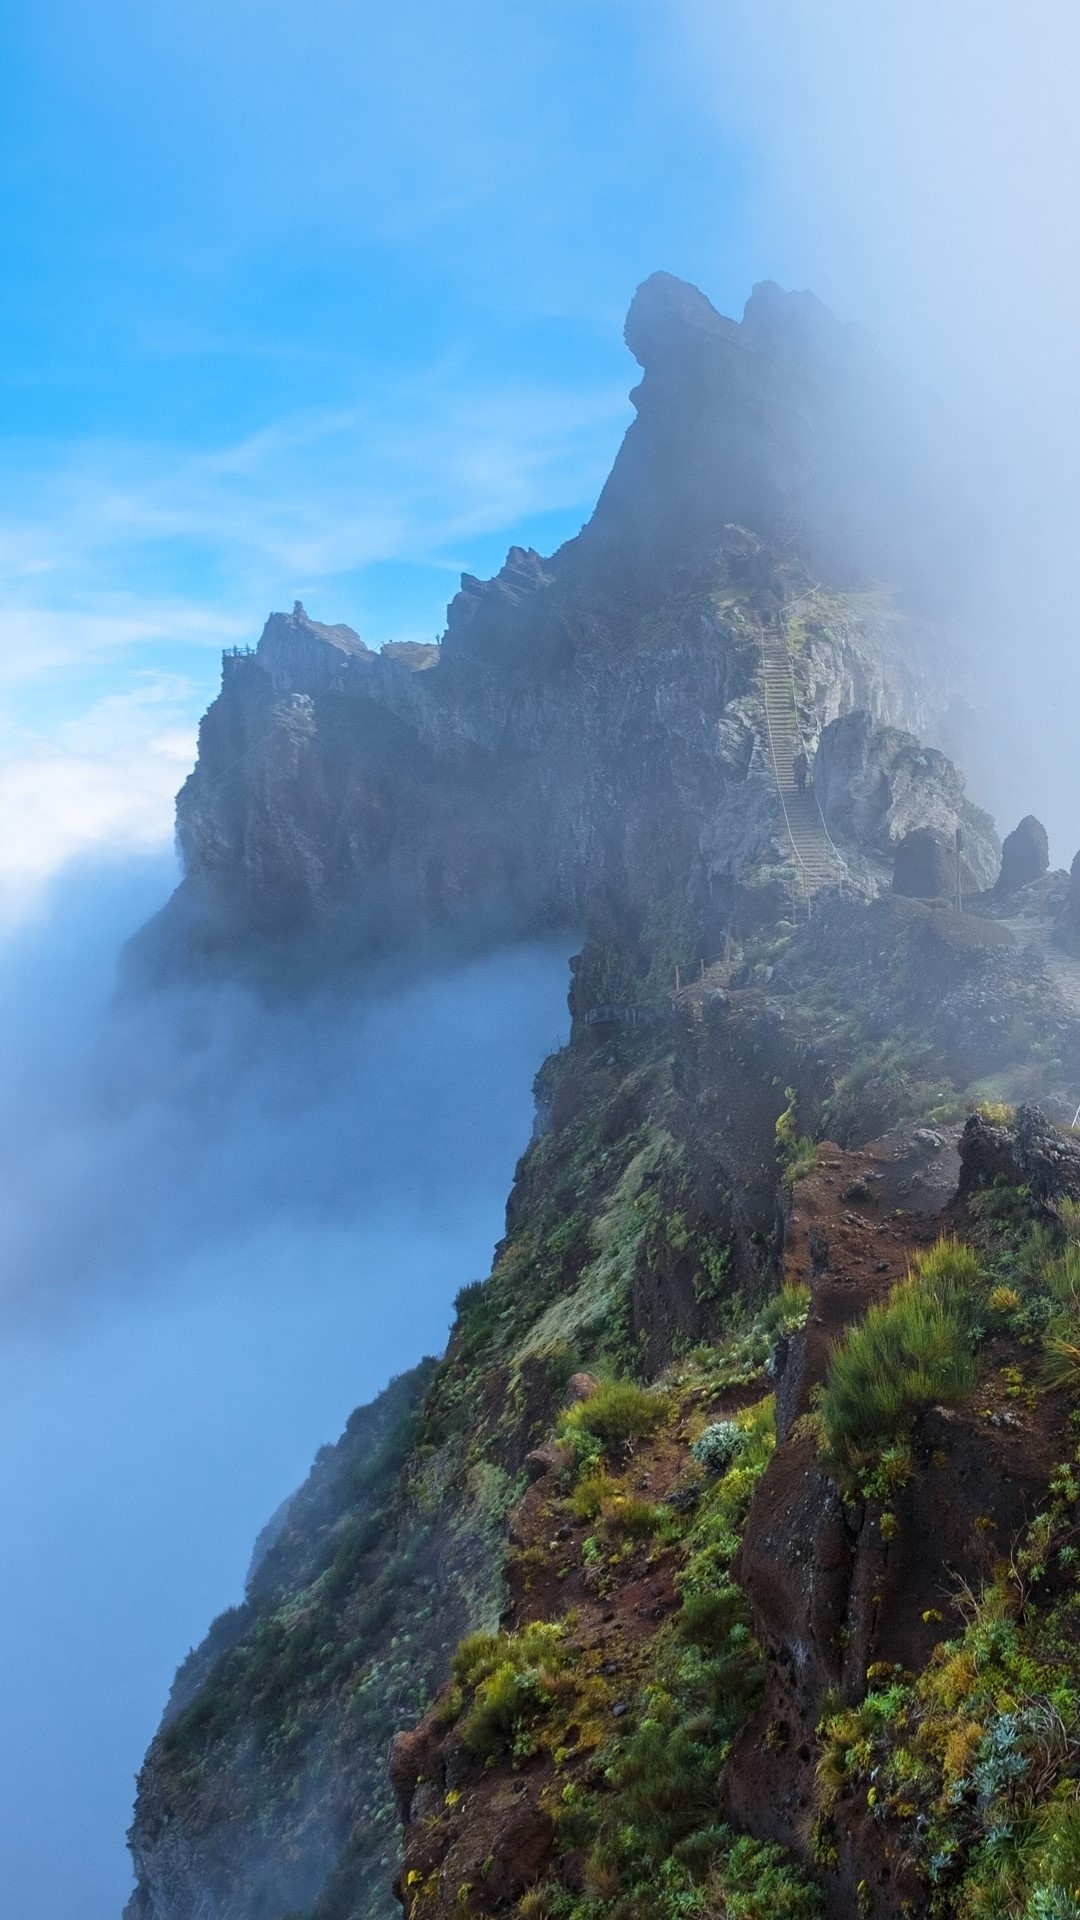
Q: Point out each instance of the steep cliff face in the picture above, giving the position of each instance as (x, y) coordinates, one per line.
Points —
(590, 735)
(624, 1590)
(649, 1231)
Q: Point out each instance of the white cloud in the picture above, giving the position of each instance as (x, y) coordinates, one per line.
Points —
(98, 540)
(104, 779)
(320, 493)
(38, 642)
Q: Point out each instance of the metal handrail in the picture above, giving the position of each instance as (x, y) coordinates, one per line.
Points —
(835, 851)
(776, 769)
(841, 862)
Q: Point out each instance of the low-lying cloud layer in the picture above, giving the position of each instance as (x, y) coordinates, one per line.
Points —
(225, 1223)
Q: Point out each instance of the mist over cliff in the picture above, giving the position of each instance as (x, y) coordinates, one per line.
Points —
(225, 1220)
(722, 732)
(709, 733)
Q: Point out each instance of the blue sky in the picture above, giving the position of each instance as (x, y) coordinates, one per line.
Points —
(326, 301)
(320, 302)
(298, 302)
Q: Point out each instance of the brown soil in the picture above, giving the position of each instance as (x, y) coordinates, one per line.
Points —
(832, 1593)
(488, 1828)
(835, 1594)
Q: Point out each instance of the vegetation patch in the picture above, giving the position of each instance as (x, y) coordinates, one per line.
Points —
(520, 1689)
(797, 1152)
(911, 1352)
(654, 1849)
(618, 1413)
(975, 1763)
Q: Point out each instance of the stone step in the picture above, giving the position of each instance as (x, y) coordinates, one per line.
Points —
(812, 854)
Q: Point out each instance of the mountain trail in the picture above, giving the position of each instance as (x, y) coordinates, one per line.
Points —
(1064, 970)
(816, 861)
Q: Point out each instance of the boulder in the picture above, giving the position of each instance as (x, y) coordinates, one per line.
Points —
(924, 867)
(877, 784)
(1025, 856)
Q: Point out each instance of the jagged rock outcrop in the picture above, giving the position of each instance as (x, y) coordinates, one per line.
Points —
(589, 735)
(1025, 856)
(925, 866)
(788, 423)
(590, 745)
(877, 784)
(1026, 1152)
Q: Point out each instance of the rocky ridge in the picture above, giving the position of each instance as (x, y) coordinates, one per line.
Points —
(590, 732)
(652, 1219)
(604, 1572)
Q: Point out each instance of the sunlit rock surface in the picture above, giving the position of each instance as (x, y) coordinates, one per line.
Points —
(589, 745)
(591, 728)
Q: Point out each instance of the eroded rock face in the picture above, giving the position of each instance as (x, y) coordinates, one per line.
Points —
(589, 737)
(924, 865)
(1030, 1152)
(789, 423)
(1025, 856)
(878, 784)
(835, 1593)
(1067, 929)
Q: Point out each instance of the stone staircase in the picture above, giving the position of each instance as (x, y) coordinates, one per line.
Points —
(814, 858)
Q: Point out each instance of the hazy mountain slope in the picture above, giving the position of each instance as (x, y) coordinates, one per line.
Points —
(591, 743)
(591, 728)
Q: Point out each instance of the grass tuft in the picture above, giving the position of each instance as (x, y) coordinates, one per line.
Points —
(618, 1412)
(911, 1352)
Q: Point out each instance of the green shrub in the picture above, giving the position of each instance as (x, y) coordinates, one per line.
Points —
(951, 1271)
(1058, 1897)
(1062, 1363)
(590, 1494)
(619, 1411)
(476, 1656)
(515, 1677)
(912, 1351)
(1062, 1277)
(707, 1616)
(798, 1153)
(757, 1881)
(504, 1703)
(479, 1654)
(635, 1519)
(469, 1296)
(716, 1447)
(786, 1311)
(742, 1357)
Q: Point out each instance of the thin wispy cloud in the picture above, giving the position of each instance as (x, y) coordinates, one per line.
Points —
(302, 506)
(325, 492)
(38, 643)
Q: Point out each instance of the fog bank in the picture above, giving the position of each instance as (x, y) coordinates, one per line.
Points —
(915, 164)
(225, 1225)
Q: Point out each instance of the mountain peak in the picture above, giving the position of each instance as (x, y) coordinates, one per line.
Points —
(669, 318)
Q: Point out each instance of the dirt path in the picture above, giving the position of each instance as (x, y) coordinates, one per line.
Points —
(1064, 970)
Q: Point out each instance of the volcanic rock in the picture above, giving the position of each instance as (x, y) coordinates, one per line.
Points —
(925, 865)
(590, 733)
(1067, 928)
(877, 784)
(1025, 856)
